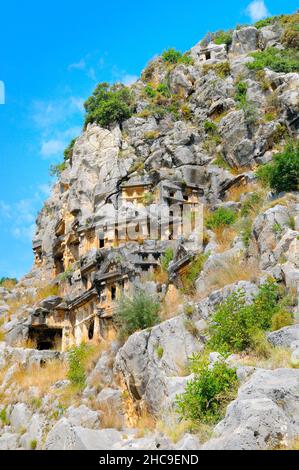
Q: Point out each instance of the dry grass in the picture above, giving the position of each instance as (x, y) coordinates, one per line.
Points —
(111, 417)
(145, 423)
(174, 430)
(30, 300)
(290, 445)
(276, 358)
(26, 344)
(171, 303)
(224, 237)
(235, 192)
(41, 377)
(230, 271)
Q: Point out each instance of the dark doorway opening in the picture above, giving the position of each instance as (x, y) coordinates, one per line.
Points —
(46, 338)
(113, 292)
(91, 330)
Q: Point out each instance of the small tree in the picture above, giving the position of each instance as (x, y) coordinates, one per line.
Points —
(207, 394)
(282, 174)
(135, 313)
(109, 104)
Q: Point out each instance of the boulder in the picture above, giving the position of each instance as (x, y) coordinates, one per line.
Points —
(287, 337)
(65, 436)
(245, 40)
(20, 417)
(146, 373)
(265, 413)
(83, 416)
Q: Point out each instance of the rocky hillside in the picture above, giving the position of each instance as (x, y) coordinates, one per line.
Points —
(118, 340)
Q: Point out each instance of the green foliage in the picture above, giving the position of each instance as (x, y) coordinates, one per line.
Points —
(33, 444)
(192, 272)
(68, 153)
(223, 37)
(210, 127)
(56, 170)
(163, 88)
(167, 258)
(135, 313)
(189, 310)
(109, 104)
(282, 174)
(160, 352)
(172, 56)
(221, 217)
(150, 91)
(3, 417)
(148, 199)
(235, 324)
(222, 69)
(191, 327)
(207, 394)
(251, 202)
(77, 358)
(241, 92)
(286, 60)
(266, 22)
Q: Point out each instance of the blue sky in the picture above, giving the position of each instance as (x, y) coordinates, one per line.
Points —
(52, 56)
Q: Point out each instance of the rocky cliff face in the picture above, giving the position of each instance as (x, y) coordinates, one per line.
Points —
(200, 126)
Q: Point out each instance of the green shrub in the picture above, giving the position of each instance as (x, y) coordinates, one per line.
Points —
(251, 202)
(109, 104)
(68, 153)
(56, 170)
(192, 272)
(221, 217)
(222, 69)
(33, 444)
(286, 60)
(241, 92)
(235, 324)
(3, 417)
(149, 91)
(163, 88)
(77, 358)
(266, 22)
(167, 258)
(160, 352)
(210, 127)
(208, 393)
(135, 313)
(173, 56)
(282, 174)
(223, 37)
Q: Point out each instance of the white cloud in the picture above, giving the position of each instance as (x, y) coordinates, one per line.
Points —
(55, 146)
(257, 10)
(49, 113)
(79, 65)
(128, 79)
(52, 148)
(18, 218)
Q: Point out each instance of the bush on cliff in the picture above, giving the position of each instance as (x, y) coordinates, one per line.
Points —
(109, 104)
(207, 394)
(135, 313)
(286, 60)
(171, 56)
(236, 324)
(282, 174)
